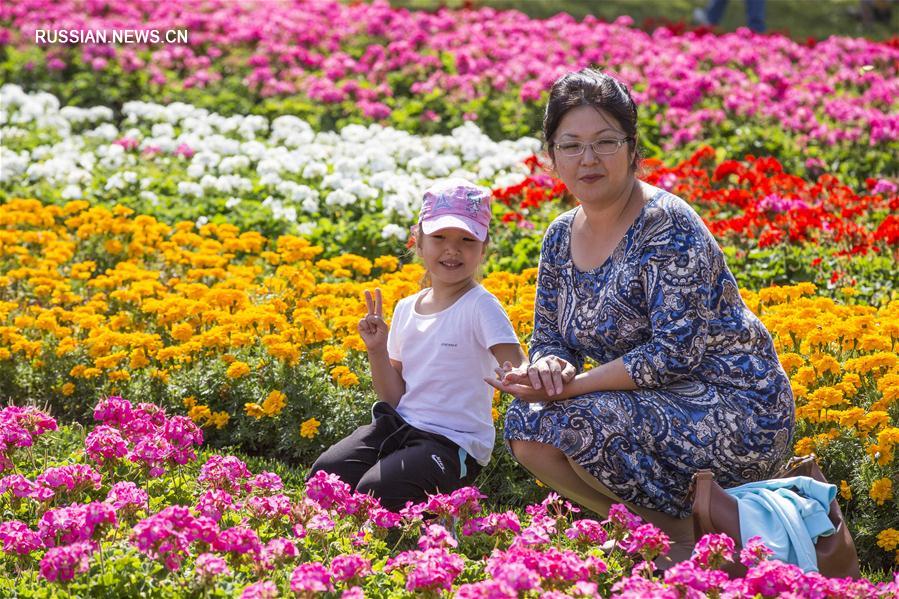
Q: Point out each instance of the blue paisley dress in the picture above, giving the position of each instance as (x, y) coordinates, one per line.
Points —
(711, 391)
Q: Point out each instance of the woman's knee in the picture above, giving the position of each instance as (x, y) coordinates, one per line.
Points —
(534, 455)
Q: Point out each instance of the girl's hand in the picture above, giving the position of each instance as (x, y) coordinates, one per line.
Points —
(549, 373)
(372, 328)
(524, 391)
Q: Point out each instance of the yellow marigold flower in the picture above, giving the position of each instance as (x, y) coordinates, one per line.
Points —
(881, 491)
(331, 354)
(220, 419)
(849, 291)
(824, 363)
(805, 375)
(845, 490)
(274, 403)
(67, 389)
(495, 413)
(182, 331)
(354, 342)
(199, 414)
(138, 359)
(888, 539)
(189, 401)
(91, 373)
(237, 370)
(386, 263)
(254, 410)
(5, 354)
(804, 446)
(119, 375)
(791, 361)
(113, 246)
(873, 420)
(309, 428)
(344, 377)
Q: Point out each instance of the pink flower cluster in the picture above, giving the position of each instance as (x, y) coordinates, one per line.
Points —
(168, 535)
(18, 428)
(144, 434)
(839, 90)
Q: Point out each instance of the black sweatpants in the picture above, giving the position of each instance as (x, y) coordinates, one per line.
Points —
(397, 462)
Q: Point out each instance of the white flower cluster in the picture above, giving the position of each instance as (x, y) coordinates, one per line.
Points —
(207, 156)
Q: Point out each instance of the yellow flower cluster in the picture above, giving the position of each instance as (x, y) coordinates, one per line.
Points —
(309, 428)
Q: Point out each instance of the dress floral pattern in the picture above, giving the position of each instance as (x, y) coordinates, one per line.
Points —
(711, 391)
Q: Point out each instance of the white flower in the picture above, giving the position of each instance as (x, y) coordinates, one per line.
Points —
(71, 192)
(307, 228)
(149, 196)
(195, 171)
(392, 230)
(340, 198)
(315, 170)
(189, 188)
(202, 220)
(232, 202)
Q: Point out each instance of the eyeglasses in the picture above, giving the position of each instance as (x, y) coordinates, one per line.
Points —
(601, 147)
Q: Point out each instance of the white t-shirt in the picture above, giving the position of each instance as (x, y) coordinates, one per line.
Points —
(446, 357)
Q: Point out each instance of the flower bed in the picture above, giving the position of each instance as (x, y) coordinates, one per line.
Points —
(334, 63)
(130, 511)
(255, 340)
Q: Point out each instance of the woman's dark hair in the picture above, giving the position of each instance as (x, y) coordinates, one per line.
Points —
(589, 87)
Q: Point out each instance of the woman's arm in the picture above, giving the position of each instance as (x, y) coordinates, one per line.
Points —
(679, 282)
(611, 376)
(546, 339)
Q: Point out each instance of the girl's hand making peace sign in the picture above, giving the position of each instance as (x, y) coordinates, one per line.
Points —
(372, 328)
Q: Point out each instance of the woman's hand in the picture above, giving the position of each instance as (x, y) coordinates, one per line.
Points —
(545, 380)
(549, 373)
(372, 328)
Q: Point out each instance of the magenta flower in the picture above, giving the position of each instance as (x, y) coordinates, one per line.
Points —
(18, 538)
(269, 508)
(227, 473)
(713, 550)
(312, 576)
(648, 540)
(126, 498)
(754, 552)
(74, 479)
(689, 576)
(167, 536)
(587, 531)
(22, 487)
(622, 521)
(113, 411)
(105, 444)
(215, 502)
(277, 552)
(264, 589)
(238, 541)
(327, 489)
(266, 483)
(350, 567)
(429, 570)
(436, 536)
(75, 523)
(209, 566)
(61, 564)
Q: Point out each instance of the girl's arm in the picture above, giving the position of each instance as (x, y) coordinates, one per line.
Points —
(386, 374)
(387, 377)
(508, 353)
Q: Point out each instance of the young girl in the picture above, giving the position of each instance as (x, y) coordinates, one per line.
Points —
(432, 429)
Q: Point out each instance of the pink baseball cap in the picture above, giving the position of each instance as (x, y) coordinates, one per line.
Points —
(455, 203)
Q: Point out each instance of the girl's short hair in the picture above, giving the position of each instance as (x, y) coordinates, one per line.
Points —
(590, 87)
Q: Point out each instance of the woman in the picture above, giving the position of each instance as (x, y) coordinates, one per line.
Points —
(688, 377)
